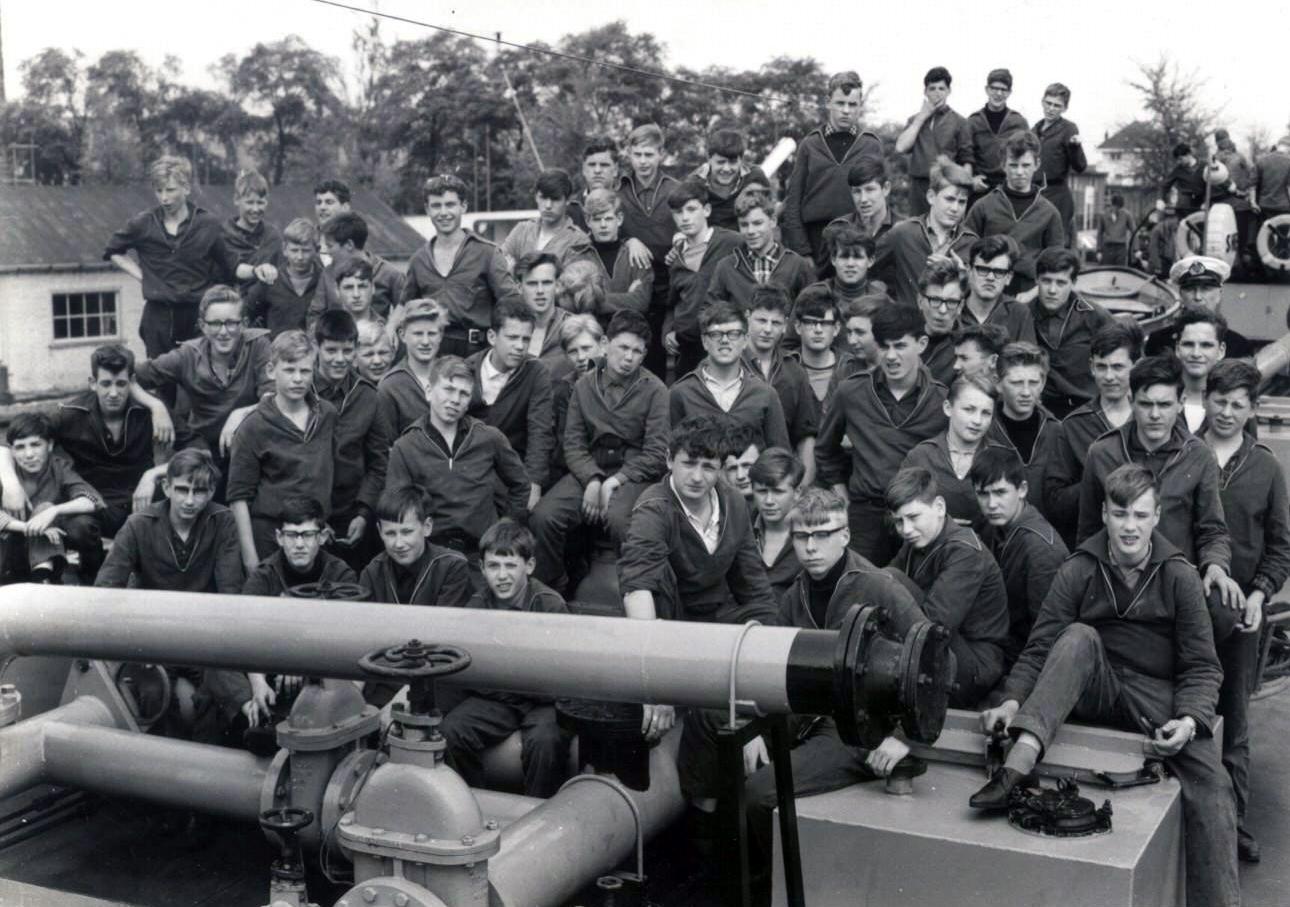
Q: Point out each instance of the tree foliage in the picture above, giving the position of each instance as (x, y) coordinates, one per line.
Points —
(1175, 113)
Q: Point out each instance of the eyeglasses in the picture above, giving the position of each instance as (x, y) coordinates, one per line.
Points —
(816, 324)
(304, 535)
(815, 535)
(943, 303)
(983, 271)
(230, 325)
(718, 336)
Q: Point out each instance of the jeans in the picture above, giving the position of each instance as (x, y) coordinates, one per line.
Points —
(560, 511)
(478, 723)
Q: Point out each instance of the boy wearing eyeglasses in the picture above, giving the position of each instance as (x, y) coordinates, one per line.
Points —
(723, 385)
(991, 260)
(941, 288)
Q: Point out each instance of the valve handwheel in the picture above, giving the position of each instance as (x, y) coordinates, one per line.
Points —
(289, 819)
(341, 592)
(415, 659)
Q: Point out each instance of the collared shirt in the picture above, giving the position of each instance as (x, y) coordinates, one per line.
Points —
(693, 250)
(763, 264)
(725, 392)
(1130, 573)
(491, 380)
(612, 388)
(899, 410)
(1049, 324)
(709, 531)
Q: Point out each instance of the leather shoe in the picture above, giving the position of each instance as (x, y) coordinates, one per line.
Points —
(1247, 849)
(995, 793)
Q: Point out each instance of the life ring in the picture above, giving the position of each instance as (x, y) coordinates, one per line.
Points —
(1274, 243)
(1211, 233)
(1190, 238)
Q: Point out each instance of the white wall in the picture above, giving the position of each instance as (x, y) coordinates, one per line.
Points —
(37, 363)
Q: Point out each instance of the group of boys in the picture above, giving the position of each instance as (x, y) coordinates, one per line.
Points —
(404, 430)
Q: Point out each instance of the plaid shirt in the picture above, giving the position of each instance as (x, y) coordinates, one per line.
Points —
(762, 266)
(830, 129)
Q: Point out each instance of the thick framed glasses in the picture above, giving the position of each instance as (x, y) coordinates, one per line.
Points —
(816, 324)
(815, 535)
(304, 535)
(983, 271)
(943, 303)
(718, 336)
(230, 325)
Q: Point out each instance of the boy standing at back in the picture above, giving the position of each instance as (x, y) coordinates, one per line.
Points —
(484, 718)
(761, 262)
(181, 254)
(1061, 153)
(343, 240)
(301, 290)
(553, 231)
(250, 239)
(936, 130)
(726, 175)
(331, 197)
(285, 448)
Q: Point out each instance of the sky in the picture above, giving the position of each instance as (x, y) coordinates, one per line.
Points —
(1094, 47)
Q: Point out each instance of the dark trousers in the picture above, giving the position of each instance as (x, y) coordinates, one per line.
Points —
(815, 239)
(1078, 679)
(871, 534)
(478, 723)
(19, 553)
(1115, 253)
(264, 531)
(918, 186)
(1060, 195)
(1239, 654)
(164, 325)
(560, 511)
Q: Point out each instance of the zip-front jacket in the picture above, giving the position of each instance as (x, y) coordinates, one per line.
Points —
(142, 548)
(478, 280)
(113, 467)
(634, 431)
(1066, 465)
(1253, 489)
(817, 190)
(688, 290)
(443, 578)
(1058, 158)
(522, 412)
(363, 440)
(944, 132)
(757, 404)
(1191, 508)
(903, 251)
(1041, 455)
(619, 294)
(460, 482)
(274, 460)
(861, 581)
(1159, 637)
(1068, 346)
(1029, 553)
(402, 398)
(1038, 228)
(796, 398)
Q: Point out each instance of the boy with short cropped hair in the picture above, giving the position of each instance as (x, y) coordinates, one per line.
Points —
(817, 190)
(962, 587)
(761, 261)
(62, 508)
(884, 413)
(942, 288)
(300, 558)
(363, 438)
(354, 290)
(404, 389)
(722, 384)
(1061, 153)
(862, 348)
(936, 131)
(1253, 491)
(870, 186)
(540, 277)
(989, 127)
(615, 445)
(977, 348)
(552, 232)
(459, 461)
(1065, 324)
(599, 170)
(181, 253)
(768, 311)
(285, 448)
(1022, 422)
(331, 197)
(343, 239)
(700, 250)
(726, 175)
(375, 352)
(513, 391)
(627, 286)
(817, 323)
(412, 570)
(1026, 547)
(301, 291)
(484, 718)
(253, 242)
(1200, 344)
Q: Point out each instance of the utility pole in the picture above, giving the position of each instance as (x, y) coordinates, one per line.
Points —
(519, 111)
(3, 97)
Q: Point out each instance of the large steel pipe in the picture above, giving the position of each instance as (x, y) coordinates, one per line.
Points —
(1273, 358)
(780, 669)
(22, 745)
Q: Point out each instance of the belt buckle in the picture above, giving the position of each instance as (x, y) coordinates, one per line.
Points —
(473, 336)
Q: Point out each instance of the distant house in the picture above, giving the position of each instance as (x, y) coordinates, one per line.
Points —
(1121, 154)
(59, 298)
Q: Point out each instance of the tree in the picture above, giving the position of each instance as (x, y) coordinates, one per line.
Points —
(126, 104)
(51, 116)
(1175, 114)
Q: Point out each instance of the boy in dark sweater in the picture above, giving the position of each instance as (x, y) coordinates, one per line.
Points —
(726, 175)
(767, 321)
(459, 461)
(253, 242)
(961, 585)
(412, 570)
(343, 239)
(884, 413)
(1021, 422)
(936, 130)
(1061, 153)
(302, 290)
(615, 445)
(817, 190)
(181, 253)
(1027, 549)
(1253, 489)
(989, 127)
(696, 257)
(627, 286)
(942, 288)
(1065, 324)
(513, 391)
(722, 385)
(762, 261)
(1124, 637)
(403, 390)
(285, 448)
(363, 438)
(991, 260)
(484, 718)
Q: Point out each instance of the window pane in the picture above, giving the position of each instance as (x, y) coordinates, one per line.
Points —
(109, 325)
(91, 303)
(92, 327)
(75, 304)
(77, 327)
(60, 328)
(60, 304)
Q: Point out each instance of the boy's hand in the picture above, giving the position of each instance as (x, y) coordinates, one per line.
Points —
(656, 721)
(755, 755)
(673, 256)
(163, 428)
(1252, 619)
(266, 273)
(607, 489)
(143, 493)
(289, 685)
(15, 503)
(262, 700)
(591, 501)
(1229, 591)
(670, 344)
(41, 522)
(1173, 735)
(638, 254)
(354, 532)
(1001, 714)
(979, 183)
(231, 425)
(249, 561)
(883, 759)
(535, 495)
(55, 536)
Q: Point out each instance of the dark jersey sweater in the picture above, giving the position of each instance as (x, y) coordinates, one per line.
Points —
(441, 577)
(627, 437)
(213, 561)
(178, 268)
(112, 465)
(522, 412)
(363, 440)
(274, 460)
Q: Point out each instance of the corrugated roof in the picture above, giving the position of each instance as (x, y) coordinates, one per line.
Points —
(56, 227)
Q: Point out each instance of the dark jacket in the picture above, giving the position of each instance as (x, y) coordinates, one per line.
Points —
(1067, 455)
(1191, 508)
(1007, 313)
(1041, 454)
(1058, 158)
(251, 247)
(270, 577)
(57, 483)
(1067, 337)
(987, 145)
(177, 268)
(646, 215)
(903, 251)
(628, 439)
(212, 398)
(723, 206)
(960, 497)
(944, 132)
(853, 220)
(1039, 227)
(538, 598)
(817, 189)
(113, 467)
(402, 398)
(278, 307)
(443, 578)
(479, 279)
(1184, 187)
(664, 555)
(1029, 553)
(938, 358)
(782, 573)
(1159, 637)
(142, 548)
(1253, 489)
(688, 290)
(619, 294)
(861, 583)
(733, 280)
(522, 412)
(796, 398)
(461, 484)
(878, 445)
(274, 460)
(757, 404)
(363, 440)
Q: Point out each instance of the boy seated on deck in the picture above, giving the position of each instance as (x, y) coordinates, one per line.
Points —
(484, 718)
(62, 507)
